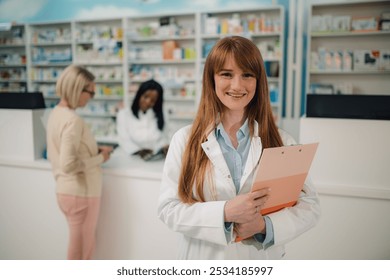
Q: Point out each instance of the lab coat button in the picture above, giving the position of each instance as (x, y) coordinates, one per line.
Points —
(229, 176)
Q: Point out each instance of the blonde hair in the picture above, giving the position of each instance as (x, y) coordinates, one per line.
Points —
(195, 163)
(72, 81)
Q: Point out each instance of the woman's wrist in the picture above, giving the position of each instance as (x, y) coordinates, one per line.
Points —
(227, 215)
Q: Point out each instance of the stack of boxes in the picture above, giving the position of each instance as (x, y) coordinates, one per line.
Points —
(347, 59)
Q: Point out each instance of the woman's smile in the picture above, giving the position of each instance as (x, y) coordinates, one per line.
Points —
(236, 95)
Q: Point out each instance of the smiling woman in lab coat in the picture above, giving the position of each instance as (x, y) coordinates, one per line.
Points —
(205, 191)
(142, 128)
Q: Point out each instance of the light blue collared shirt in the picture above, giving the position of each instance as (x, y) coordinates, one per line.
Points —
(236, 160)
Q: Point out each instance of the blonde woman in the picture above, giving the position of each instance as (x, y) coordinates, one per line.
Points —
(205, 192)
(76, 159)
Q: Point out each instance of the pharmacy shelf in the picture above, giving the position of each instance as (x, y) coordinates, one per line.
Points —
(124, 52)
(13, 66)
(350, 34)
(98, 45)
(344, 57)
(352, 72)
(49, 47)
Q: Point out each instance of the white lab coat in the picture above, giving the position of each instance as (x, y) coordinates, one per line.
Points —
(143, 133)
(202, 224)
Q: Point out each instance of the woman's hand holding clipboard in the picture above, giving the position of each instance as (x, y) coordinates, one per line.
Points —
(283, 170)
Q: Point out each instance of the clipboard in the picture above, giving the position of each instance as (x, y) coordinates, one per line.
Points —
(283, 170)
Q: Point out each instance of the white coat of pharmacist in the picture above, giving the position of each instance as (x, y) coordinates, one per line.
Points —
(201, 224)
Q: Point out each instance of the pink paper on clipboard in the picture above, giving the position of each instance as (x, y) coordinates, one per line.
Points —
(284, 171)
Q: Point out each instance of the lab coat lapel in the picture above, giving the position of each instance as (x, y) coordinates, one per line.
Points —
(214, 153)
(254, 154)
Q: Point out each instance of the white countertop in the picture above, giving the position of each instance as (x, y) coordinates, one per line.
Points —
(119, 164)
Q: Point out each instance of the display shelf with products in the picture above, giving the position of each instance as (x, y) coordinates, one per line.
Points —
(163, 47)
(349, 48)
(99, 47)
(13, 66)
(180, 100)
(99, 42)
(265, 28)
(124, 52)
(49, 52)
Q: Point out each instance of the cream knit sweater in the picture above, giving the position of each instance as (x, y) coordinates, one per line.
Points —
(73, 153)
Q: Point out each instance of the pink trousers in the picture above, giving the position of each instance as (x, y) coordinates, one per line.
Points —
(82, 216)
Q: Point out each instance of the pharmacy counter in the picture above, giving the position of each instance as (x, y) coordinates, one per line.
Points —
(34, 228)
(119, 164)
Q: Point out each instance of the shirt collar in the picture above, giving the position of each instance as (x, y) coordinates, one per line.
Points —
(241, 133)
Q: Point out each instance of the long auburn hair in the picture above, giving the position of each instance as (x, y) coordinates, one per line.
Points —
(195, 163)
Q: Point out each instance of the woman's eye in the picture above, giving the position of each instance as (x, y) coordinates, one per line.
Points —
(248, 75)
(226, 74)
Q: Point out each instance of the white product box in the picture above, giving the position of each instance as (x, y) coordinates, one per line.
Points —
(341, 23)
(347, 60)
(316, 24)
(364, 24)
(384, 61)
(385, 25)
(344, 88)
(211, 25)
(366, 60)
(314, 61)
